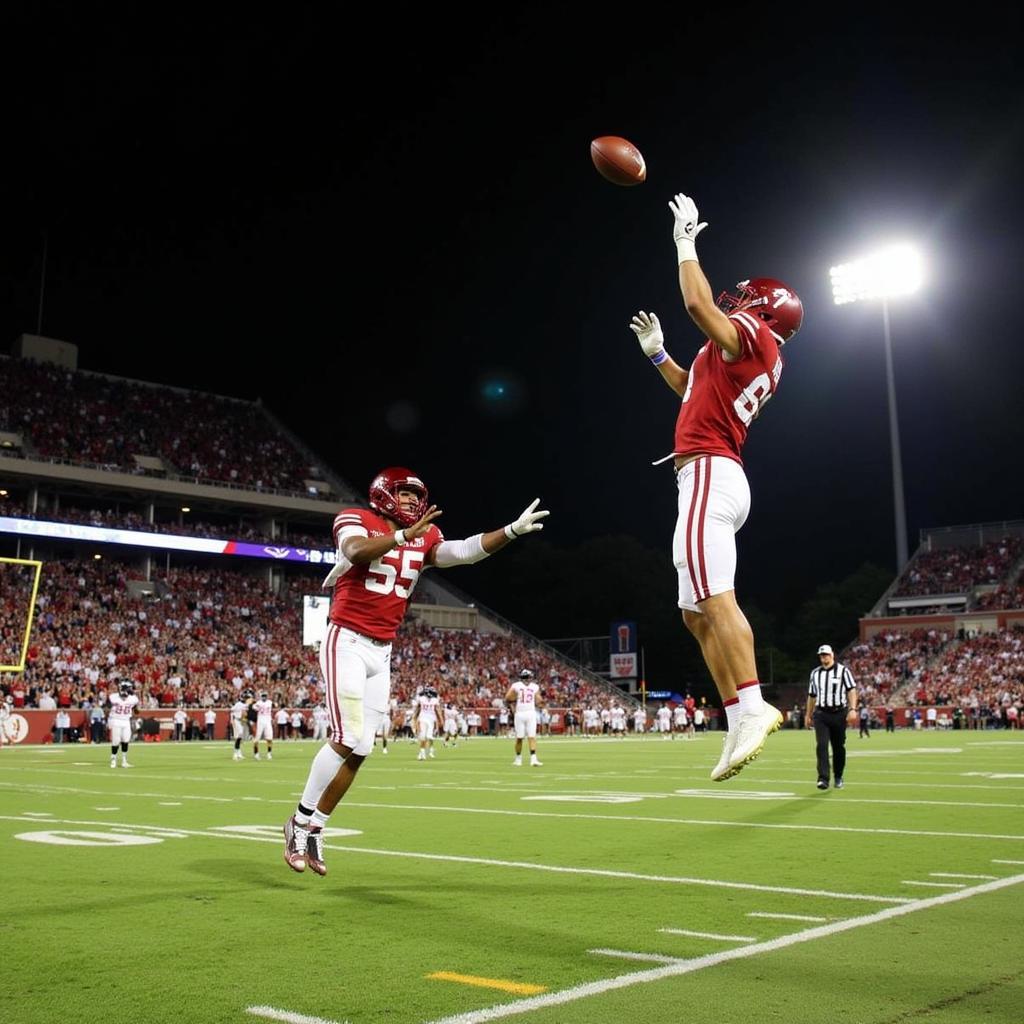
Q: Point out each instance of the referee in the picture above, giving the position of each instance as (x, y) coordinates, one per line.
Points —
(831, 696)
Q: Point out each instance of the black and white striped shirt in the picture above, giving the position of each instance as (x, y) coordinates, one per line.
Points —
(829, 686)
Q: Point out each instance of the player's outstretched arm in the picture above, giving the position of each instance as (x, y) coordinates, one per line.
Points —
(480, 545)
(362, 550)
(647, 329)
(697, 296)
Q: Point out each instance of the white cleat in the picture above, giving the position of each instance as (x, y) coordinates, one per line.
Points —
(753, 730)
(421, 756)
(125, 764)
(534, 763)
(113, 762)
(722, 771)
(517, 763)
(430, 754)
(270, 757)
(255, 757)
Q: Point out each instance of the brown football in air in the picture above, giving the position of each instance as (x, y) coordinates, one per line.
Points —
(618, 160)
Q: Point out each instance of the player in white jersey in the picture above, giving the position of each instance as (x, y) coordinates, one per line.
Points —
(526, 693)
(320, 719)
(640, 721)
(428, 720)
(664, 717)
(451, 724)
(119, 721)
(238, 710)
(679, 720)
(264, 726)
(618, 720)
(5, 719)
(387, 723)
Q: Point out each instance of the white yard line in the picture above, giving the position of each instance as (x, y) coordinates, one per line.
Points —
(674, 970)
(786, 917)
(954, 874)
(272, 1013)
(623, 954)
(709, 935)
(491, 862)
(935, 885)
(1008, 861)
(701, 822)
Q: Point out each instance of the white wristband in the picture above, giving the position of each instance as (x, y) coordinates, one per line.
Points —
(659, 357)
(510, 533)
(399, 538)
(686, 251)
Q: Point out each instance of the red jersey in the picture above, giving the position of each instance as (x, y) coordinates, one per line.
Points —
(722, 398)
(372, 598)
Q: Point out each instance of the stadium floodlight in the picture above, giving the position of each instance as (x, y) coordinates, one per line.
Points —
(890, 272)
(896, 270)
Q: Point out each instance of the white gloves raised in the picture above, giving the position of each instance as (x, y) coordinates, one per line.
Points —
(647, 329)
(686, 228)
(527, 522)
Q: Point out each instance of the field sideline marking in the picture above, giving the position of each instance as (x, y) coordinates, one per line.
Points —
(709, 935)
(490, 862)
(595, 988)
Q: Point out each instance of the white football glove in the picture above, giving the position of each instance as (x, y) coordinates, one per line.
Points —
(647, 329)
(527, 522)
(686, 228)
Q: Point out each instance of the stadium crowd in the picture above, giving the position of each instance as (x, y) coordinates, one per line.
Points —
(959, 570)
(208, 635)
(89, 418)
(891, 660)
(976, 673)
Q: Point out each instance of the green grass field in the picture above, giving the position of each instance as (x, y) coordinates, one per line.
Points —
(614, 883)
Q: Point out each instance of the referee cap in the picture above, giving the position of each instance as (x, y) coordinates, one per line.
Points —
(825, 649)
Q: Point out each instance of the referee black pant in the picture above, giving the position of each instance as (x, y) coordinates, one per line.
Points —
(830, 727)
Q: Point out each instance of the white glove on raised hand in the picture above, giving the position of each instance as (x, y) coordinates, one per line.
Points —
(527, 522)
(687, 228)
(647, 329)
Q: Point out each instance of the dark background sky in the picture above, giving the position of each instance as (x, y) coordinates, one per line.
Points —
(368, 223)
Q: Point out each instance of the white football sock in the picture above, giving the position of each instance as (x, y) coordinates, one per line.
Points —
(732, 715)
(321, 773)
(750, 698)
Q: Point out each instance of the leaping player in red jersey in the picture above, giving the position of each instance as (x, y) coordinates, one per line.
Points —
(732, 376)
(381, 553)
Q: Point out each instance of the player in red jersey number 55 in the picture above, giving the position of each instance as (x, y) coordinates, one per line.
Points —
(381, 553)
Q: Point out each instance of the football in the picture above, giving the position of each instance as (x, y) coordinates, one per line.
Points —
(618, 160)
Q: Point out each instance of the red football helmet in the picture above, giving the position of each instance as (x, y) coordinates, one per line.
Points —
(772, 301)
(384, 494)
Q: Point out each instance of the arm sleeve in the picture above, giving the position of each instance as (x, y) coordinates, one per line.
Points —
(812, 690)
(848, 679)
(459, 552)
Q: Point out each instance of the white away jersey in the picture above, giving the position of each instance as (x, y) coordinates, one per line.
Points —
(263, 708)
(526, 697)
(121, 707)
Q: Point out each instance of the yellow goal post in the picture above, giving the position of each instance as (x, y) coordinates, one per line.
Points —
(36, 569)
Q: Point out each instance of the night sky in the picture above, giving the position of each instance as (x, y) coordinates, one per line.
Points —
(391, 232)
